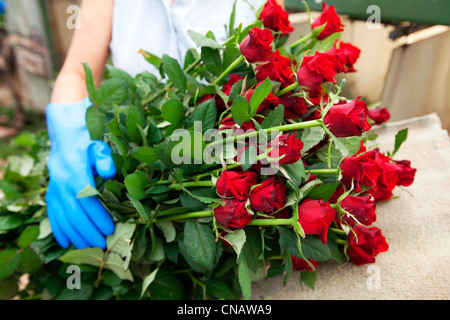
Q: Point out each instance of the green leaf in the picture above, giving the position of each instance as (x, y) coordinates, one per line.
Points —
(311, 137)
(10, 222)
(252, 249)
(202, 41)
(173, 111)
(288, 240)
(168, 230)
(136, 184)
(8, 288)
(240, 110)
(89, 256)
(173, 70)
(29, 235)
(10, 190)
(121, 74)
(90, 84)
(111, 91)
(9, 262)
(237, 240)
(117, 265)
(296, 171)
(144, 154)
(244, 279)
(95, 122)
(29, 261)
(148, 280)
(134, 124)
(120, 241)
(232, 20)
(152, 59)
(165, 286)
(200, 243)
(259, 94)
(88, 191)
(314, 249)
(400, 137)
(206, 112)
(25, 140)
(218, 289)
(274, 118)
(248, 157)
(140, 209)
(212, 60)
(309, 278)
(324, 192)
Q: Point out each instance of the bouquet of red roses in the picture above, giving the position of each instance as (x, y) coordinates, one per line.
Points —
(242, 163)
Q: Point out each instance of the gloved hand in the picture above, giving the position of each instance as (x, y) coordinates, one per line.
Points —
(73, 162)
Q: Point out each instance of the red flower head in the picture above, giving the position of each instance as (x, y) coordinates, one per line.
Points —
(235, 183)
(233, 214)
(379, 115)
(317, 69)
(278, 68)
(360, 170)
(268, 196)
(367, 244)
(294, 106)
(275, 18)
(332, 20)
(299, 264)
(257, 45)
(315, 216)
(361, 208)
(347, 55)
(286, 145)
(348, 119)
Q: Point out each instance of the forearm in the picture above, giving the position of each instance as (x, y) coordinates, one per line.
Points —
(69, 87)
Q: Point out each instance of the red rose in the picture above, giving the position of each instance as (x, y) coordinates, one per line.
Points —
(348, 119)
(286, 145)
(317, 96)
(299, 264)
(247, 126)
(315, 216)
(367, 244)
(275, 18)
(235, 183)
(379, 115)
(361, 208)
(278, 68)
(234, 78)
(406, 174)
(294, 106)
(347, 55)
(317, 69)
(257, 45)
(268, 196)
(361, 170)
(233, 213)
(332, 20)
(270, 100)
(220, 104)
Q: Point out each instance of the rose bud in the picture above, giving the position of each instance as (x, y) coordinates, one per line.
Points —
(348, 119)
(278, 68)
(268, 196)
(299, 264)
(233, 213)
(275, 18)
(379, 115)
(315, 216)
(294, 106)
(347, 55)
(288, 146)
(361, 208)
(235, 183)
(332, 20)
(366, 245)
(257, 45)
(317, 69)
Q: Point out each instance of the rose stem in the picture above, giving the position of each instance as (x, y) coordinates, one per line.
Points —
(302, 40)
(288, 89)
(228, 70)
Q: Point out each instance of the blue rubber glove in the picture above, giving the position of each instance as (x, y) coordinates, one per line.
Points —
(73, 163)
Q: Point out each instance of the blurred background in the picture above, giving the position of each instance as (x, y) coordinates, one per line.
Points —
(404, 63)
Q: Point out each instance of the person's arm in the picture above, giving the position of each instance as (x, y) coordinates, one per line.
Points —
(89, 44)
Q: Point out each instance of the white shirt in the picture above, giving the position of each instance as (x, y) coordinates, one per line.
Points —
(160, 27)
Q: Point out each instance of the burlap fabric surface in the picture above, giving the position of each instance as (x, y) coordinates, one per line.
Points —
(416, 225)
